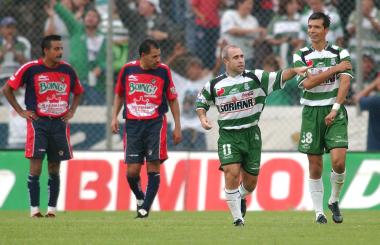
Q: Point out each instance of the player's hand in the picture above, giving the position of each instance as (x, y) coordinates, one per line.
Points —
(29, 115)
(177, 135)
(301, 70)
(68, 116)
(329, 119)
(342, 66)
(206, 124)
(115, 126)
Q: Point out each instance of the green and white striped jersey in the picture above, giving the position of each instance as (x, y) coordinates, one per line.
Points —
(241, 99)
(320, 61)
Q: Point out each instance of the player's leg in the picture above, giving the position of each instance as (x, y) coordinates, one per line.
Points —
(35, 149)
(230, 158)
(134, 157)
(34, 187)
(58, 149)
(251, 145)
(155, 150)
(316, 186)
(53, 188)
(233, 197)
(337, 143)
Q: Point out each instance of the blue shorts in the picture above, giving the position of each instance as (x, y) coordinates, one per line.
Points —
(145, 140)
(49, 136)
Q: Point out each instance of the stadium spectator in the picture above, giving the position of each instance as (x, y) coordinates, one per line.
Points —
(145, 88)
(370, 30)
(239, 95)
(55, 25)
(87, 51)
(283, 31)
(369, 100)
(188, 87)
(335, 35)
(145, 22)
(238, 27)
(48, 82)
(207, 23)
(14, 51)
(324, 118)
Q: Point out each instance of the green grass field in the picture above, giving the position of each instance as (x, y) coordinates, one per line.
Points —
(359, 227)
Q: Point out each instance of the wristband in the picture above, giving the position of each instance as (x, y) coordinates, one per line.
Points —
(336, 107)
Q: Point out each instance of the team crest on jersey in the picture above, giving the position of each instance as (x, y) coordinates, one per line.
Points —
(246, 86)
(309, 63)
(333, 61)
(219, 91)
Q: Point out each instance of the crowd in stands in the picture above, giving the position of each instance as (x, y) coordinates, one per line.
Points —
(191, 34)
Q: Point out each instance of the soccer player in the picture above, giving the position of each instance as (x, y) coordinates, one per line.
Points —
(145, 87)
(324, 118)
(48, 83)
(239, 96)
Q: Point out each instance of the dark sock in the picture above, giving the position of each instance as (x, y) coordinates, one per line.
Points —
(34, 190)
(151, 190)
(53, 189)
(135, 184)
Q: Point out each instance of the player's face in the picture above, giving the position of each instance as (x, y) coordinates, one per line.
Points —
(152, 59)
(235, 63)
(316, 31)
(54, 53)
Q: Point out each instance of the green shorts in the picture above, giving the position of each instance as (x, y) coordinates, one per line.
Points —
(316, 138)
(241, 146)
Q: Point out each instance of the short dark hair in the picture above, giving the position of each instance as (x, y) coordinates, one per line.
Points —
(321, 16)
(46, 41)
(146, 46)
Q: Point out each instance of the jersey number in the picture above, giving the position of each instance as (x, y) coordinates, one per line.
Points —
(307, 137)
(227, 149)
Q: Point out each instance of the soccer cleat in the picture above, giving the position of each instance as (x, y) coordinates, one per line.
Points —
(142, 214)
(50, 215)
(321, 219)
(243, 206)
(238, 223)
(37, 215)
(336, 215)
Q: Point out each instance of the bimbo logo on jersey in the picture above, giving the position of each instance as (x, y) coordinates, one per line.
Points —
(52, 86)
(142, 87)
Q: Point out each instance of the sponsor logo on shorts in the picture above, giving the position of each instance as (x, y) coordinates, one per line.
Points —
(60, 153)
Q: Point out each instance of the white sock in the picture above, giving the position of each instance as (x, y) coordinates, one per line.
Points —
(337, 181)
(52, 210)
(243, 192)
(316, 192)
(34, 210)
(233, 200)
(139, 202)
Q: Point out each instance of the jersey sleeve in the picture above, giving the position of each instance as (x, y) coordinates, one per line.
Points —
(270, 81)
(120, 85)
(16, 80)
(204, 98)
(298, 62)
(77, 87)
(344, 55)
(171, 92)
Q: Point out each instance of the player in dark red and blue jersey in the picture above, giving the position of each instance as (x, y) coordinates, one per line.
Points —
(145, 88)
(48, 83)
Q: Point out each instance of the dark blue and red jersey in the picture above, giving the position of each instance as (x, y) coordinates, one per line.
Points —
(47, 90)
(146, 92)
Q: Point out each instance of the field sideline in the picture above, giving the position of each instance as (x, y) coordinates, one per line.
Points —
(359, 227)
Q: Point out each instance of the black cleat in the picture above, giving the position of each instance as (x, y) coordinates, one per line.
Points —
(336, 215)
(238, 222)
(243, 206)
(50, 215)
(142, 214)
(37, 215)
(321, 219)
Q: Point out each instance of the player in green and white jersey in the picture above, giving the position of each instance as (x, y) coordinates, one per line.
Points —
(239, 95)
(324, 118)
